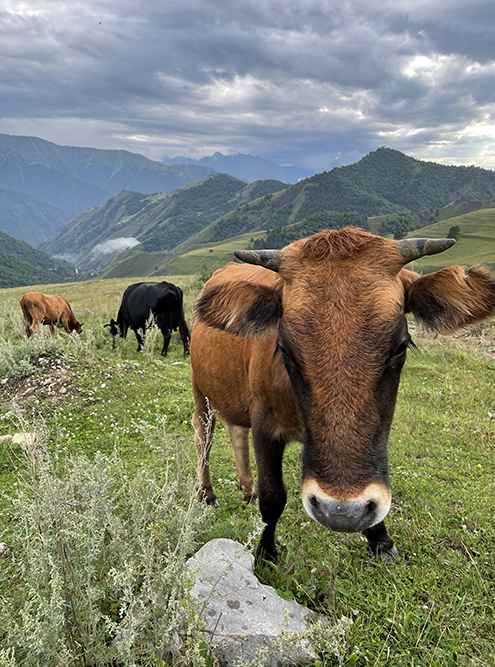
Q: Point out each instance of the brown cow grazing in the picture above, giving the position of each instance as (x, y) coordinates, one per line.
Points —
(47, 309)
(309, 346)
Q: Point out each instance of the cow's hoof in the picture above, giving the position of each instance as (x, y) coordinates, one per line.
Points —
(211, 501)
(266, 556)
(251, 498)
(389, 555)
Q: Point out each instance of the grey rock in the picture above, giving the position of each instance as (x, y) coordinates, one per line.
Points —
(245, 619)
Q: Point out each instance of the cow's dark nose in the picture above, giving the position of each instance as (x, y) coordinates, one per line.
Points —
(347, 515)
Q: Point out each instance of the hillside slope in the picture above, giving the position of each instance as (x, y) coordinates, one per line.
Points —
(86, 177)
(385, 181)
(157, 222)
(29, 218)
(475, 243)
(21, 264)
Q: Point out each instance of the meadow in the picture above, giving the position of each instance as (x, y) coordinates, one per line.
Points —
(434, 607)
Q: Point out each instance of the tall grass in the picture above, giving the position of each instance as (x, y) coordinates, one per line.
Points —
(98, 558)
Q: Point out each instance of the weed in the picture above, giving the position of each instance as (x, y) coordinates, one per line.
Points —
(100, 559)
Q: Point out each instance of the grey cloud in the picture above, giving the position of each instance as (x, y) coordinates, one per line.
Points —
(310, 82)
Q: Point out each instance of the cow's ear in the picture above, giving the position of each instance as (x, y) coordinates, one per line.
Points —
(450, 299)
(241, 308)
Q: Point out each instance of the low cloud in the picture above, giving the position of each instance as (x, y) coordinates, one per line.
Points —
(102, 253)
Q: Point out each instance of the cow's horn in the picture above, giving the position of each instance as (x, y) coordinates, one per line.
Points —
(270, 259)
(412, 249)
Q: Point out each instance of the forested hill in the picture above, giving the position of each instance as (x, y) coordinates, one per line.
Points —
(21, 264)
(385, 181)
(157, 222)
(418, 185)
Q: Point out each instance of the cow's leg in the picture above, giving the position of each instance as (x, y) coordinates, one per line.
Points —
(272, 492)
(28, 324)
(140, 338)
(379, 542)
(184, 334)
(52, 328)
(204, 425)
(239, 437)
(166, 341)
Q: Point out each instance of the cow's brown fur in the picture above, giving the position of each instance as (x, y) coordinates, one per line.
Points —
(336, 307)
(47, 309)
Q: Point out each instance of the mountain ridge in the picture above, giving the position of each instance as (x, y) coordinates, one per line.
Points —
(245, 167)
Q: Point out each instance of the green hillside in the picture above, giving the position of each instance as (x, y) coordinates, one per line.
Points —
(382, 183)
(203, 259)
(397, 193)
(159, 222)
(21, 264)
(475, 243)
(476, 229)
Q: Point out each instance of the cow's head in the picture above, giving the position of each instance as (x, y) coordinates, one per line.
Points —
(77, 327)
(339, 314)
(114, 329)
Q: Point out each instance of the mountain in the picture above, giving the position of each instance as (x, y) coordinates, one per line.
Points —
(29, 218)
(77, 178)
(383, 182)
(247, 168)
(21, 264)
(156, 222)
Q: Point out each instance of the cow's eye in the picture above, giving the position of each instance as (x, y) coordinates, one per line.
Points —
(400, 352)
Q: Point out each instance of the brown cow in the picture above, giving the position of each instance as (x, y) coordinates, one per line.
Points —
(311, 348)
(47, 309)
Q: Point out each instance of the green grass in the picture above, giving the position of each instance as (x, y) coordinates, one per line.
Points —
(435, 606)
(199, 258)
(475, 244)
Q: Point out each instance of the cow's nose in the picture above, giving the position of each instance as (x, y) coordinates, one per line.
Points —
(348, 515)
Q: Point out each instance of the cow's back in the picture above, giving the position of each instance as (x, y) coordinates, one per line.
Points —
(239, 375)
(50, 307)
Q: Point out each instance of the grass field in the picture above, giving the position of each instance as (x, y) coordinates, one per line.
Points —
(435, 607)
(475, 244)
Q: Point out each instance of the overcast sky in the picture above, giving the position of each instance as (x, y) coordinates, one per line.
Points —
(313, 83)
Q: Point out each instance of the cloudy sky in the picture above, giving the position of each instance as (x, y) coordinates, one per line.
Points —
(313, 83)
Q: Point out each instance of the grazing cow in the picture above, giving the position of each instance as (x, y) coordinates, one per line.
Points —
(309, 346)
(48, 309)
(162, 301)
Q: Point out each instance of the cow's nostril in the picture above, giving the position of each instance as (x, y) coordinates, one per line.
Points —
(371, 507)
(314, 502)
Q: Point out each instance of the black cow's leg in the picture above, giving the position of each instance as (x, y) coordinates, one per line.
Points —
(272, 492)
(166, 341)
(140, 338)
(379, 542)
(184, 334)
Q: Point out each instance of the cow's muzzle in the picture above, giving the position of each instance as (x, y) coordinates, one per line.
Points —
(350, 514)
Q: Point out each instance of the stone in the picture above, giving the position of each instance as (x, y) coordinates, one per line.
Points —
(25, 438)
(243, 617)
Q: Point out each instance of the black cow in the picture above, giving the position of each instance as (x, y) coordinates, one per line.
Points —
(163, 301)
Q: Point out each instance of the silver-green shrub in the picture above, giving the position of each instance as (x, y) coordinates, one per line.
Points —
(98, 561)
(17, 358)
